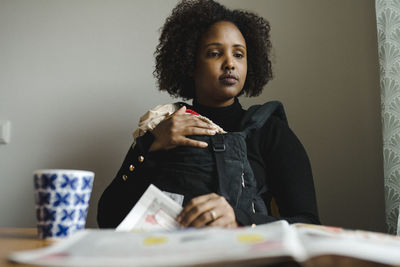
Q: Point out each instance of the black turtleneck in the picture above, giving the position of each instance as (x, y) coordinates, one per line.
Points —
(277, 157)
(226, 117)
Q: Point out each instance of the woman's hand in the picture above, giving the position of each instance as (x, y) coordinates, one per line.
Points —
(172, 131)
(208, 210)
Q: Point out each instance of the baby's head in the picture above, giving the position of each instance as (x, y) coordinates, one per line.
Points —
(202, 39)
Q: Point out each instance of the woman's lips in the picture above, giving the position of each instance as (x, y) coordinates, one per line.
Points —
(228, 79)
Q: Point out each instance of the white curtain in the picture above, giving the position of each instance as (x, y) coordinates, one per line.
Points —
(388, 23)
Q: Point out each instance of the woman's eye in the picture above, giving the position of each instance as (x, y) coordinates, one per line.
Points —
(239, 55)
(213, 54)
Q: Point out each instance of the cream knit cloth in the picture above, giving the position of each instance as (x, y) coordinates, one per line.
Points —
(156, 115)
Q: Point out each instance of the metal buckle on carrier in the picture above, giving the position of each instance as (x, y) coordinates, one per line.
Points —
(219, 147)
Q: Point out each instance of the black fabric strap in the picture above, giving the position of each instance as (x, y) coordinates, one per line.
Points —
(262, 190)
(218, 146)
(256, 116)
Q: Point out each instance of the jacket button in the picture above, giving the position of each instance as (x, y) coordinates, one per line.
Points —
(140, 159)
(124, 177)
(131, 168)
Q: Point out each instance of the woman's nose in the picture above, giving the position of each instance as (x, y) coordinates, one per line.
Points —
(228, 64)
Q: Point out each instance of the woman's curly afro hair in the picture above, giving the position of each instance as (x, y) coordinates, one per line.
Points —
(176, 52)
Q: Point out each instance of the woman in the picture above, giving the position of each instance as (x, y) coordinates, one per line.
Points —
(212, 55)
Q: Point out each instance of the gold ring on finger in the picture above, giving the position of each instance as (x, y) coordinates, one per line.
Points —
(213, 215)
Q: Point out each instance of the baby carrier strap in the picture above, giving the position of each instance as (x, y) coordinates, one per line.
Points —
(231, 184)
(218, 147)
(231, 181)
(231, 164)
(256, 116)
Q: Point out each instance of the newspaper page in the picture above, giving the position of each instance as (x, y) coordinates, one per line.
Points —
(270, 243)
(150, 236)
(154, 211)
(320, 240)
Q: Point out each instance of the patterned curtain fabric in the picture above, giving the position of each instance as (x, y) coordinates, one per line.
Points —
(388, 23)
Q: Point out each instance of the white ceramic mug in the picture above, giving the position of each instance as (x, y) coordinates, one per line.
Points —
(62, 201)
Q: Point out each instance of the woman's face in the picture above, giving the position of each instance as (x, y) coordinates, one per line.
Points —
(221, 65)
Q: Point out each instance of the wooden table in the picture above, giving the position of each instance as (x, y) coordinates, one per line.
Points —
(16, 239)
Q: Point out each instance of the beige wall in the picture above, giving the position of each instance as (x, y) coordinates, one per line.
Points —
(76, 75)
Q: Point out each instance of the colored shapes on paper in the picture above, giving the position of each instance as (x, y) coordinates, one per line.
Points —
(250, 238)
(154, 240)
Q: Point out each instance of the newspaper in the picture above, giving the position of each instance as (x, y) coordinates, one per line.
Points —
(264, 244)
(150, 236)
(154, 211)
(218, 246)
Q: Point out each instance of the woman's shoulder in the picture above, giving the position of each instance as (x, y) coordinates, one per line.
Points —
(270, 122)
(257, 116)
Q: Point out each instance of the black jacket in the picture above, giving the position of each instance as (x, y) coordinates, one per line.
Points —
(277, 157)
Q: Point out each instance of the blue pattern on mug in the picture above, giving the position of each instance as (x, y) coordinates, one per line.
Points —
(45, 230)
(36, 181)
(82, 214)
(62, 230)
(44, 198)
(79, 199)
(68, 215)
(61, 199)
(48, 181)
(38, 214)
(69, 181)
(87, 183)
(48, 214)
